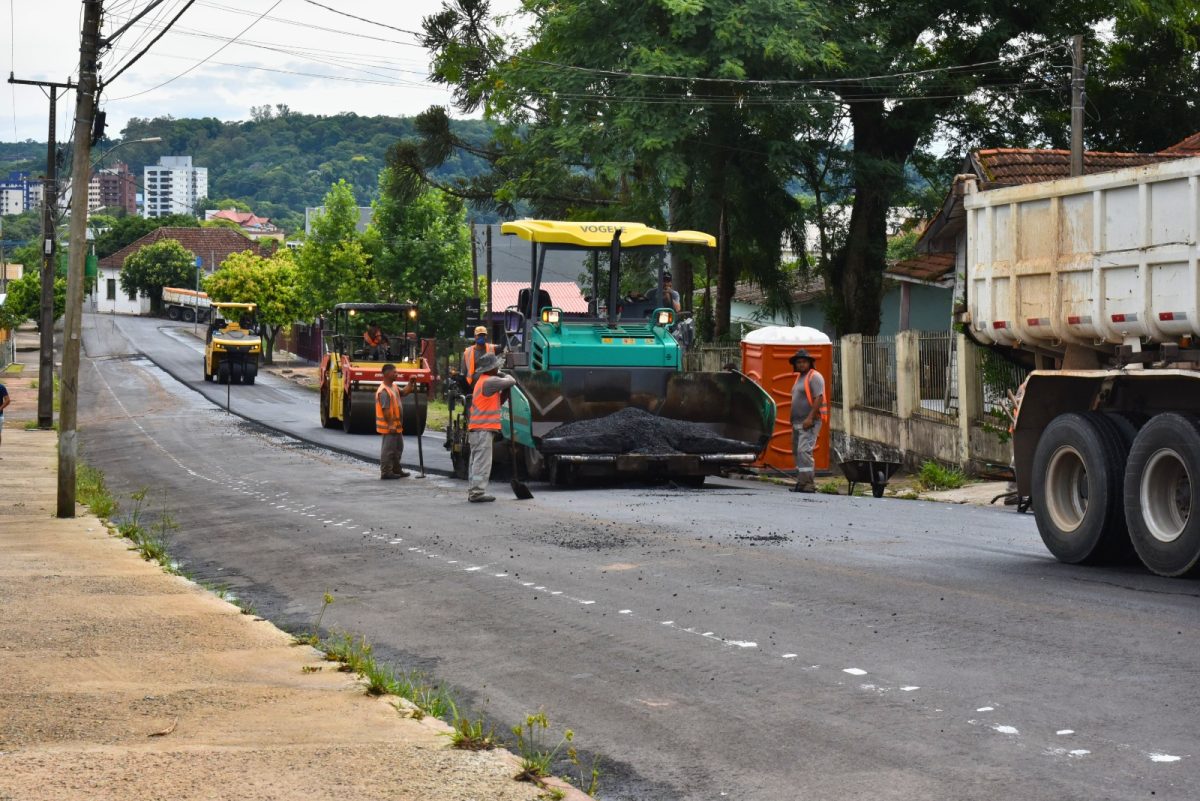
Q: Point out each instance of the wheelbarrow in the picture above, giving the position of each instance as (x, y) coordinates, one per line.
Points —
(869, 471)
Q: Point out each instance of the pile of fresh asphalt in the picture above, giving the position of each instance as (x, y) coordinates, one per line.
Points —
(633, 430)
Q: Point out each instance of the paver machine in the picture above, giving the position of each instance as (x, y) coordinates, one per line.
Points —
(232, 345)
(590, 383)
(363, 338)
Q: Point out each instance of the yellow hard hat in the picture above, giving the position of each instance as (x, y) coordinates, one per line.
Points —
(480, 329)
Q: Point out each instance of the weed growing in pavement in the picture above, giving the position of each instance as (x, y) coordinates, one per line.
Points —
(536, 757)
(908, 496)
(313, 638)
(552, 794)
(468, 734)
(934, 476)
(311, 669)
(829, 488)
(356, 656)
(32, 425)
(92, 492)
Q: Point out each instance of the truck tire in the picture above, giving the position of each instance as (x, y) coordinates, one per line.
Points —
(189, 315)
(1162, 479)
(172, 312)
(1078, 488)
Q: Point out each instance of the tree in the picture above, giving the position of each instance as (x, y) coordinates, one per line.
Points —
(164, 263)
(585, 127)
(271, 283)
(425, 252)
(24, 299)
(127, 230)
(334, 264)
(206, 204)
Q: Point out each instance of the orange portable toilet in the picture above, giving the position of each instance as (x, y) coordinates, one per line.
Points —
(765, 354)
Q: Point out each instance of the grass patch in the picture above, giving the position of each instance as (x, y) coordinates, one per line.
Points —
(830, 487)
(470, 735)
(438, 415)
(933, 476)
(356, 655)
(15, 368)
(32, 425)
(537, 758)
(91, 491)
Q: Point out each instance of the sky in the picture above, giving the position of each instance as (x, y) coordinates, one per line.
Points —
(315, 60)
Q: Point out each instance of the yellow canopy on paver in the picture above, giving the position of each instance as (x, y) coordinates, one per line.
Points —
(589, 234)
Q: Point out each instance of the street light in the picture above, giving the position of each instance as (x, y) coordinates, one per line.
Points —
(104, 155)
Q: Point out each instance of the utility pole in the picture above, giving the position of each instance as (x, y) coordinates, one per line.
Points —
(1077, 75)
(49, 251)
(85, 109)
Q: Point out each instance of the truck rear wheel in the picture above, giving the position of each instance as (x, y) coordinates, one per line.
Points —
(1161, 483)
(1078, 488)
(189, 315)
(172, 312)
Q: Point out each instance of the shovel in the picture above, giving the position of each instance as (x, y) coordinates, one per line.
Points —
(518, 487)
(421, 435)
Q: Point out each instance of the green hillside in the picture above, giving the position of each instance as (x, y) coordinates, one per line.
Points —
(277, 164)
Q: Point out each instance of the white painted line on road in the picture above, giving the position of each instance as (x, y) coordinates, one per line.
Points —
(1064, 732)
(587, 603)
(473, 569)
(500, 575)
(556, 592)
(909, 688)
(1002, 729)
(1156, 756)
(854, 671)
(625, 612)
(986, 709)
(789, 656)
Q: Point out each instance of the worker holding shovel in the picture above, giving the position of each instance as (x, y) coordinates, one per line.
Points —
(489, 388)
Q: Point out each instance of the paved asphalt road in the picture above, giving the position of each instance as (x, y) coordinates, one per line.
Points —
(733, 642)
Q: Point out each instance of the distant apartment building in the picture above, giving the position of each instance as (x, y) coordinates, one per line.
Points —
(311, 213)
(19, 192)
(173, 186)
(113, 188)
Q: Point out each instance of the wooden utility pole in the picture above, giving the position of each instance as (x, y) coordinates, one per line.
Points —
(49, 250)
(1077, 75)
(85, 110)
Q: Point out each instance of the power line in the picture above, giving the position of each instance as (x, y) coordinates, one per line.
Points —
(309, 26)
(364, 19)
(144, 50)
(198, 63)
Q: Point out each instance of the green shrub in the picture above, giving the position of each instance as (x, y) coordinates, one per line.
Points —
(934, 476)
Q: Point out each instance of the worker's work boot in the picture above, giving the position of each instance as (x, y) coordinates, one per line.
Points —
(806, 486)
(389, 476)
(481, 498)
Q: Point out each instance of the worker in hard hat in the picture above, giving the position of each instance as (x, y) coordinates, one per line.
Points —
(489, 391)
(389, 422)
(474, 352)
(809, 413)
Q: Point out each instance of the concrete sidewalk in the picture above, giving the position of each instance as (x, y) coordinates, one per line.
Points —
(118, 681)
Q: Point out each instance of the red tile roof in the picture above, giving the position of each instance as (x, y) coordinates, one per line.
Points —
(931, 267)
(1188, 147)
(212, 245)
(563, 294)
(246, 219)
(1007, 166)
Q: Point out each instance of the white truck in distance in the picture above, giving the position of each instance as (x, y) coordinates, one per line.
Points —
(185, 304)
(1095, 282)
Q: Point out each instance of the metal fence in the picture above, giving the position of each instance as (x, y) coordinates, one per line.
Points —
(937, 374)
(879, 374)
(8, 348)
(712, 358)
(835, 374)
(997, 376)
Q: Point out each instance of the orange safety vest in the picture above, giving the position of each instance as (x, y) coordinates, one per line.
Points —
(469, 361)
(485, 410)
(372, 341)
(824, 410)
(391, 421)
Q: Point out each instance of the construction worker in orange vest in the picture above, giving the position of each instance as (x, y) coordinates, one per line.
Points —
(389, 422)
(809, 413)
(376, 342)
(474, 352)
(484, 427)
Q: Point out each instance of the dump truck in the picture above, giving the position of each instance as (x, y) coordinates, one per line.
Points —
(1094, 281)
(604, 393)
(186, 304)
(352, 368)
(232, 344)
